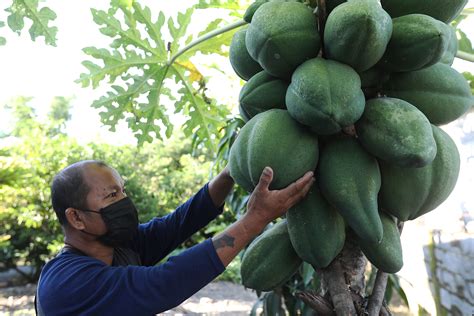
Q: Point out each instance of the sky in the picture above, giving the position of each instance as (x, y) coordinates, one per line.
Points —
(41, 71)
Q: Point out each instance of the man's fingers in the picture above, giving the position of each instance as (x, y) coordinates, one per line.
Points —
(296, 187)
(265, 179)
(297, 190)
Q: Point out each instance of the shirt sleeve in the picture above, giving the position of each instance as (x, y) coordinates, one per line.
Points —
(85, 285)
(157, 238)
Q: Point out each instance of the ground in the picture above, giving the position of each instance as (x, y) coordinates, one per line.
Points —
(217, 298)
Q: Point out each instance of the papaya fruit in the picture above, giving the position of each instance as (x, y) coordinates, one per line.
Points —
(450, 54)
(248, 15)
(417, 41)
(387, 255)
(317, 231)
(270, 260)
(349, 179)
(274, 139)
(443, 10)
(439, 91)
(281, 36)
(408, 193)
(397, 132)
(325, 95)
(261, 93)
(357, 33)
(241, 61)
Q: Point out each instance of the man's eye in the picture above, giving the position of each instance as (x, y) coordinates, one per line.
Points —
(113, 194)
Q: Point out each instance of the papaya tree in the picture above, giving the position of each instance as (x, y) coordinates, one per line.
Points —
(365, 100)
(359, 79)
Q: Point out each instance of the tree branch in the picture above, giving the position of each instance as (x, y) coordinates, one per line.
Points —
(339, 289)
(378, 293)
(317, 303)
(380, 285)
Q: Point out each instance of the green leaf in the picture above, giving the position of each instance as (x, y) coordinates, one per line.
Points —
(221, 4)
(142, 78)
(21, 9)
(143, 15)
(183, 20)
(115, 64)
(3, 41)
(464, 43)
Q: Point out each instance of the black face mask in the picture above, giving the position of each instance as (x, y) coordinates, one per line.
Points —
(121, 220)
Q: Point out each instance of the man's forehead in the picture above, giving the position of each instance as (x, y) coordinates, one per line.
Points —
(101, 175)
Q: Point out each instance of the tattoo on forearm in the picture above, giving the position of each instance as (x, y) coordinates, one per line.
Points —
(223, 241)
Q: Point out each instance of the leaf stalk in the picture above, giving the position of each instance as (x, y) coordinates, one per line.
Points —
(465, 56)
(205, 37)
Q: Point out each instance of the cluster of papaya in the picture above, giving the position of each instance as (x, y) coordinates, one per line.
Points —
(361, 106)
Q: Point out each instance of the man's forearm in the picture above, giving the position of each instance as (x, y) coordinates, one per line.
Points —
(231, 241)
(220, 187)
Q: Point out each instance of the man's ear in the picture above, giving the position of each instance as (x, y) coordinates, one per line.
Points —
(74, 218)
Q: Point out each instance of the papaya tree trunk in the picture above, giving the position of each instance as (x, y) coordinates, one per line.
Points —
(343, 286)
(344, 279)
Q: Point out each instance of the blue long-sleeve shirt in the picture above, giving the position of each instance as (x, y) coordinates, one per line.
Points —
(74, 284)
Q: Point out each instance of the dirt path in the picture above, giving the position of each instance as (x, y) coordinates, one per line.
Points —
(217, 298)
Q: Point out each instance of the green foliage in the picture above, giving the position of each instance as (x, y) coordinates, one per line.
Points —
(158, 176)
(40, 19)
(30, 232)
(144, 71)
(3, 41)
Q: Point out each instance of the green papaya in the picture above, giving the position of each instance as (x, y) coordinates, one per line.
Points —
(408, 193)
(387, 255)
(248, 15)
(397, 132)
(317, 231)
(281, 36)
(269, 260)
(439, 91)
(417, 41)
(443, 10)
(325, 95)
(349, 179)
(242, 63)
(357, 33)
(274, 139)
(261, 93)
(251, 10)
(451, 51)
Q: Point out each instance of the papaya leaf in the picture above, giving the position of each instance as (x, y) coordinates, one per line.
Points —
(221, 4)
(464, 43)
(205, 117)
(139, 68)
(40, 18)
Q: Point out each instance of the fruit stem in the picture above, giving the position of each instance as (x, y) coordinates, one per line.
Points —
(205, 37)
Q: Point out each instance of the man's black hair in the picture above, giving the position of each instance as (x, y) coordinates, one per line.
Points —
(70, 190)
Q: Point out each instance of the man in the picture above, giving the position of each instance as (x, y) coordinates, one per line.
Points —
(108, 264)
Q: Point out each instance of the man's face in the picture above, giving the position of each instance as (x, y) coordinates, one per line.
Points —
(106, 187)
